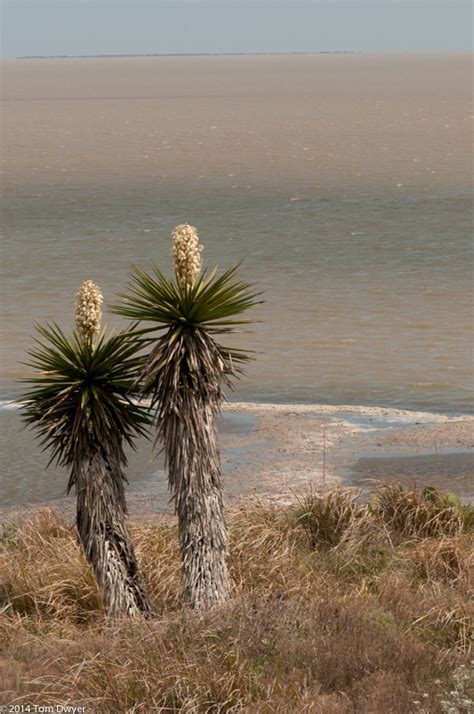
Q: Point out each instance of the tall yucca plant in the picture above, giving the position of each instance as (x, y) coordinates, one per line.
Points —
(82, 405)
(184, 376)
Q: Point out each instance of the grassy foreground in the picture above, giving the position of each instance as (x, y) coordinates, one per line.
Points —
(337, 607)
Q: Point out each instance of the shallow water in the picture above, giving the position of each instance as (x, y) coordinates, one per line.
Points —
(452, 470)
(344, 182)
(24, 477)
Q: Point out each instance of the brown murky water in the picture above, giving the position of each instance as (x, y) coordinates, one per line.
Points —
(343, 181)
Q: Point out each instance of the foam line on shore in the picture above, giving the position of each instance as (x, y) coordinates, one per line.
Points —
(336, 410)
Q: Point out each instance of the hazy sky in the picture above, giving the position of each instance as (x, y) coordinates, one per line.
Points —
(71, 27)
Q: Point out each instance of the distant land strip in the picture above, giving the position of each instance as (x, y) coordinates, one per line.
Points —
(192, 54)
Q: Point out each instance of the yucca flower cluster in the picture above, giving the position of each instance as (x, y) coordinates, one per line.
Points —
(186, 255)
(88, 310)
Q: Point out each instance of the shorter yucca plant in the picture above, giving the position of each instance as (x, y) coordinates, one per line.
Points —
(83, 405)
(184, 375)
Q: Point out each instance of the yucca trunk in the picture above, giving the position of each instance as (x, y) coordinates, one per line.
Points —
(189, 401)
(103, 534)
(195, 474)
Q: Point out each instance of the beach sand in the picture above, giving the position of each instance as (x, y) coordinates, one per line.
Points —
(276, 452)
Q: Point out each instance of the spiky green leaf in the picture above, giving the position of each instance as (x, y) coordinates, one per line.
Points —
(85, 396)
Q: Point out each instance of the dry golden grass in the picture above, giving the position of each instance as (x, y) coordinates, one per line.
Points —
(337, 607)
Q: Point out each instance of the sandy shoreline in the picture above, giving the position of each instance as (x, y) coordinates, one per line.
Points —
(304, 444)
(369, 411)
(278, 451)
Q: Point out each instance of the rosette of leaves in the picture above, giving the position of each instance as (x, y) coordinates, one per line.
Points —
(184, 376)
(83, 404)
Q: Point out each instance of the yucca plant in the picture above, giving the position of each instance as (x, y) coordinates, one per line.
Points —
(184, 377)
(83, 405)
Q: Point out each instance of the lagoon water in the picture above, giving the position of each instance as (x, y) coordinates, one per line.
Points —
(344, 183)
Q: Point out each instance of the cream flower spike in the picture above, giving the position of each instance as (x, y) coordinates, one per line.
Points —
(186, 255)
(88, 311)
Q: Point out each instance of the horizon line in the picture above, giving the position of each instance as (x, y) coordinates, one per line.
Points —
(183, 54)
(232, 54)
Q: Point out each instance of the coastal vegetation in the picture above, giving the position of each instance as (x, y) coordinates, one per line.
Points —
(83, 404)
(184, 375)
(87, 399)
(337, 605)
